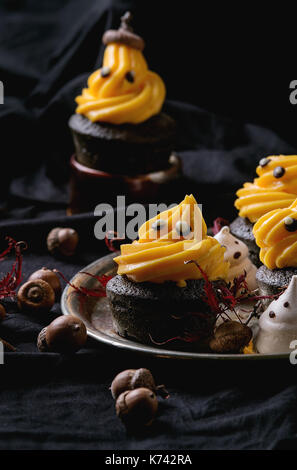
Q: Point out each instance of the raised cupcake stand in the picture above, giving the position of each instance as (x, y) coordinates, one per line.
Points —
(90, 187)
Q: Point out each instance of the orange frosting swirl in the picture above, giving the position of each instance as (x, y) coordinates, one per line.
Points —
(273, 189)
(124, 90)
(276, 235)
(160, 254)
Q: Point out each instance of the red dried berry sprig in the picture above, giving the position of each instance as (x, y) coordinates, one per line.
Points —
(84, 291)
(221, 298)
(10, 282)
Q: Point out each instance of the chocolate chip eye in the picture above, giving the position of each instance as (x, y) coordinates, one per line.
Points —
(286, 304)
(130, 76)
(290, 224)
(105, 72)
(182, 228)
(236, 242)
(271, 314)
(237, 255)
(264, 161)
(158, 224)
(278, 172)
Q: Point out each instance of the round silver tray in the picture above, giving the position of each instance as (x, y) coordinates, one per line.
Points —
(96, 314)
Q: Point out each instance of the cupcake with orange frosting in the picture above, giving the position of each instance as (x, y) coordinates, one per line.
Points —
(155, 290)
(118, 126)
(276, 236)
(274, 188)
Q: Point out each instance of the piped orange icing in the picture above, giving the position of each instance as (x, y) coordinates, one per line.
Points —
(160, 255)
(187, 211)
(249, 349)
(269, 192)
(276, 235)
(124, 90)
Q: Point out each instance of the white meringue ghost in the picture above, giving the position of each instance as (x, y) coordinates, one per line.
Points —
(278, 323)
(237, 254)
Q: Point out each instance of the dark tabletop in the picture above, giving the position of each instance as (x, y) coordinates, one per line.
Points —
(48, 401)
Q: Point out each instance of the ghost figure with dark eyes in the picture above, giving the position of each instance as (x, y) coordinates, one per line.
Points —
(278, 323)
(237, 254)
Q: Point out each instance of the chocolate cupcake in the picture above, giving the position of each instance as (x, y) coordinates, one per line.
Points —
(272, 282)
(130, 149)
(276, 236)
(155, 313)
(275, 188)
(158, 293)
(118, 126)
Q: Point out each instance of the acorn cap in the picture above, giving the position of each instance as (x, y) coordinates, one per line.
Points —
(36, 296)
(130, 379)
(50, 277)
(124, 35)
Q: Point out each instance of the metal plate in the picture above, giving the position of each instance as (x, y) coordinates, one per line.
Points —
(96, 315)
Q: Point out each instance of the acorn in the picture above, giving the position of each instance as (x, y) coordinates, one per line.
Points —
(62, 241)
(36, 296)
(66, 334)
(230, 337)
(50, 277)
(131, 379)
(137, 408)
(2, 312)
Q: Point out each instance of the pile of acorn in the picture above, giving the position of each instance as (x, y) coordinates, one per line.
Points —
(66, 334)
(135, 392)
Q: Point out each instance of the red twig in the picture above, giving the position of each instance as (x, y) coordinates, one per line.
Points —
(102, 279)
(10, 282)
(100, 292)
(7, 345)
(188, 337)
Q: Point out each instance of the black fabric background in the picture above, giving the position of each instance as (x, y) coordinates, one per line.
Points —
(47, 50)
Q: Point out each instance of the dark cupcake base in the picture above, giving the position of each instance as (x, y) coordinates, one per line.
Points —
(243, 230)
(126, 149)
(273, 281)
(153, 313)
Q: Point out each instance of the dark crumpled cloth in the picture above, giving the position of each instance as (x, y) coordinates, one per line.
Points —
(48, 401)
